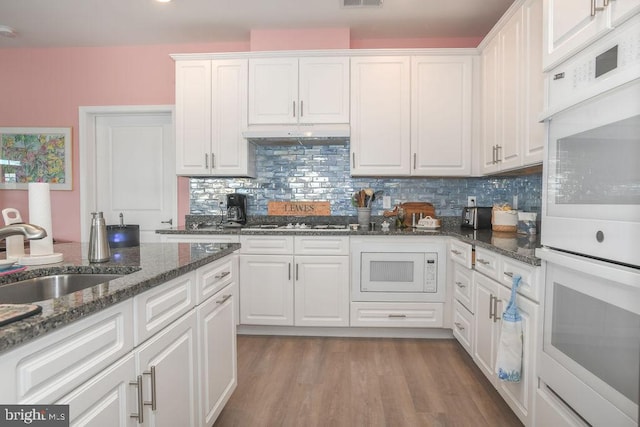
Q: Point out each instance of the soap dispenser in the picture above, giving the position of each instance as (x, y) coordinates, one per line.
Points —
(98, 242)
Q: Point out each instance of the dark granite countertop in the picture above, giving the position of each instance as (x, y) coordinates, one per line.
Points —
(145, 266)
(517, 246)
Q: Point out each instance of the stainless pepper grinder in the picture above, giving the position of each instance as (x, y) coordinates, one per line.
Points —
(98, 242)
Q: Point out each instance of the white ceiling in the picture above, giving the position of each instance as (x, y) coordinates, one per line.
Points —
(74, 23)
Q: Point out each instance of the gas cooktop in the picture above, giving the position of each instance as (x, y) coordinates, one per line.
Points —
(298, 227)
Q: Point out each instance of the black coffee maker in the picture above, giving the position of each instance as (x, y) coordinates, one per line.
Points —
(236, 210)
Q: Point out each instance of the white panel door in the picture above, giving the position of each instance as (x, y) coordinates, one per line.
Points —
(324, 90)
(135, 170)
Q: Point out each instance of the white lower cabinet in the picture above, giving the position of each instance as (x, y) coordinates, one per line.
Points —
(491, 300)
(167, 363)
(181, 372)
(289, 289)
(217, 355)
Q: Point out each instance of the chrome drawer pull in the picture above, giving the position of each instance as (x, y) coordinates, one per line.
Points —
(483, 262)
(508, 274)
(224, 299)
(456, 252)
(221, 275)
(460, 285)
(398, 316)
(459, 326)
(139, 415)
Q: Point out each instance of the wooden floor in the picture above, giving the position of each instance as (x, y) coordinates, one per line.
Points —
(318, 381)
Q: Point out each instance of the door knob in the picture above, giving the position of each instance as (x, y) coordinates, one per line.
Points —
(170, 221)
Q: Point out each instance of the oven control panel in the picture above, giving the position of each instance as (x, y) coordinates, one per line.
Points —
(431, 272)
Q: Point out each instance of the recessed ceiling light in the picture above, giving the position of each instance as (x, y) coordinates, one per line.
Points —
(6, 31)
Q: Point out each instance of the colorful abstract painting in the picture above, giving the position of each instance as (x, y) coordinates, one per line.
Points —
(35, 155)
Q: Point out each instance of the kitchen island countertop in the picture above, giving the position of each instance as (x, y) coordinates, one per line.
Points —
(146, 266)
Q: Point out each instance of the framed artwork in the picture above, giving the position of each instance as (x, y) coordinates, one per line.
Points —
(35, 154)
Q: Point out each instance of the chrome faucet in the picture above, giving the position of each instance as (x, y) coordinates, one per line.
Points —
(29, 231)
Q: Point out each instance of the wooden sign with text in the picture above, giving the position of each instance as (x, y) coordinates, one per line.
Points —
(299, 208)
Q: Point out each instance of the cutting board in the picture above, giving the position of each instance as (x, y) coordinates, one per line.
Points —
(410, 208)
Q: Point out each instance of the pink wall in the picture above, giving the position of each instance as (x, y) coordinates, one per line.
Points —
(45, 87)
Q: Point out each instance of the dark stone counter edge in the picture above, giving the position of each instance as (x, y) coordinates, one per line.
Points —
(22, 331)
(482, 239)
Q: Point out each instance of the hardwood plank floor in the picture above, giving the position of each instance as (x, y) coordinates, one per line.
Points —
(322, 381)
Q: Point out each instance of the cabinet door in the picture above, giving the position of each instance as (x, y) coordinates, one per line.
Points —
(266, 290)
(486, 328)
(511, 101)
(462, 287)
(380, 115)
(172, 353)
(107, 400)
(569, 26)
(217, 352)
(273, 90)
(519, 396)
(490, 107)
(193, 117)
(441, 106)
(622, 10)
(532, 88)
(231, 154)
(322, 291)
(324, 90)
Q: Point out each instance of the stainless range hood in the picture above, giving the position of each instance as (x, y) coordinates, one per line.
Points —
(298, 134)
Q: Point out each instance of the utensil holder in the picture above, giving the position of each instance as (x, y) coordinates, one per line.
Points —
(364, 218)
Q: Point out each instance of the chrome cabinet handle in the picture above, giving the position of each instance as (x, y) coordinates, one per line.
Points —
(414, 160)
(491, 306)
(459, 326)
(498, 153)
(482, 261)
(297, 271)
(495, 310)
(595, 9)
(353, 160)
(508, 274)
(294, 108)
(289, 271)
(206, 160)
(460, 285)
(152, 372)
(493, 159)
(222, 275)
(139, 415)
(301, 108)
(397, 316)
(224, 299)
(213, 161)
(455, 252)
(169, 221)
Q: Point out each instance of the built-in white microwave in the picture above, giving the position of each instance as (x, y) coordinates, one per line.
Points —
(407, 269)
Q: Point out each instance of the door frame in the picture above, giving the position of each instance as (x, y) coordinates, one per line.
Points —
(87, 154)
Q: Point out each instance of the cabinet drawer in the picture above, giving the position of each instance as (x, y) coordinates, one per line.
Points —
(47, 368)
(321, 245)
(399, 315)
(215, 276)
(463, 326)
(462, 287)
(270, 245)
(460, 253)
(487, 263)
(159, 306)
(529, 284)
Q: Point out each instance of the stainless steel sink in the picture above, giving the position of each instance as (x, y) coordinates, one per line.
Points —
(47, 287)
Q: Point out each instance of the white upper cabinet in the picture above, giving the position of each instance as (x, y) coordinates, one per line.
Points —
(441, 111)
(211, 114)
(411, 115)
(380, 115)
(570, 25)
(512, 93)
(294, 90)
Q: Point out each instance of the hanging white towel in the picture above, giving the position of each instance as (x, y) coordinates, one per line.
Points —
(509, 358)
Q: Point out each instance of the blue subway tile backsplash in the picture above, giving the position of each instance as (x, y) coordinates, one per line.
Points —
(321, 172)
